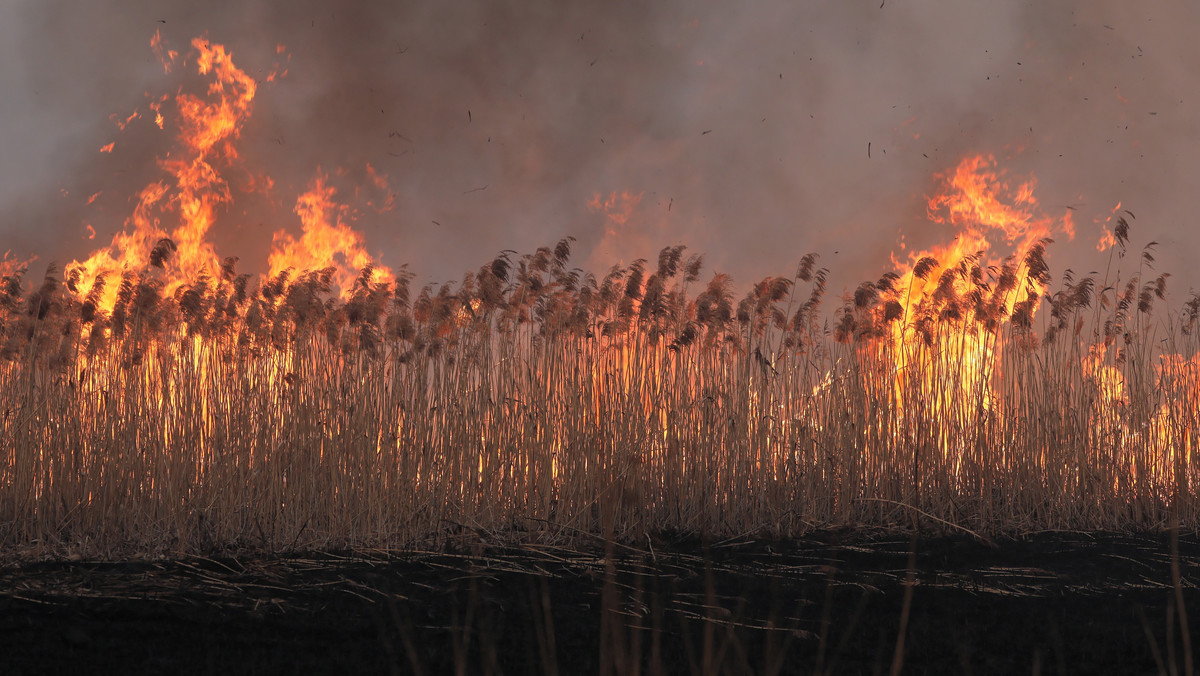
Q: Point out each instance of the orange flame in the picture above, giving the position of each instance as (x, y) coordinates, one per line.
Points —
(184, 205)
(1108, 238)
(194, 189)
(122, 123)
(10, 264)
(327, 240)
(953, 298)
(165, 56)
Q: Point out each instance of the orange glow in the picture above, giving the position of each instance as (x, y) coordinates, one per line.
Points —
(628, 232)
(1108, 380)
(617, 207)
(107, 148)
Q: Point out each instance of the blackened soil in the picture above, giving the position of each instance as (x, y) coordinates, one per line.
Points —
(831, 603)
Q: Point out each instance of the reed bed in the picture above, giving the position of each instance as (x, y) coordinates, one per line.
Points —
(533, 399)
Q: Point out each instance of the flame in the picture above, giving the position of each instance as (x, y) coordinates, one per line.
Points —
(10, 264)
(125, 122)
(931, 332)
(954, 298)
(194, 188)
(1177, 418)
(280, 50)
(327, 240)
(1108, 238)
(172, 216)
(166, 57)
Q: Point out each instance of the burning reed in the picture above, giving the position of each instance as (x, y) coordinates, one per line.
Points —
(534, 396)
(154, 398)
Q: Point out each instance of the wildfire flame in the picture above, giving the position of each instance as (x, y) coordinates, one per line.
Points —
(166, 236)
(327, 241)
(956, 296)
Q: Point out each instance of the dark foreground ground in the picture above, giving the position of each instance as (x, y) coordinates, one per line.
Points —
(832, 603)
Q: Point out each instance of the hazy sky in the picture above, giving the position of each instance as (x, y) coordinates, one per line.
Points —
(739, 129)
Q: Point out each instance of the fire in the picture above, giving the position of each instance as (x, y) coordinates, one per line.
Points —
(640, 381)
(1108, 236)
(10, 264)
(954, 298)
(1176, 420)
(122, 123)
(165, 56)
(327, 240)
(166, 236)
(1109, 381)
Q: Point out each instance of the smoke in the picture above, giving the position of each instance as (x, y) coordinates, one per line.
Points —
(752, 133)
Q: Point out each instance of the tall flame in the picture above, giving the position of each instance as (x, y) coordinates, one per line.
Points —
(955, 297)
(165, 238)
(192, 190)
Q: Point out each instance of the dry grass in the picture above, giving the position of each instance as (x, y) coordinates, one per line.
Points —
(533, 396)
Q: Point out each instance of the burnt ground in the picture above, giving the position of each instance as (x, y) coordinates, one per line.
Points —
(832, 603)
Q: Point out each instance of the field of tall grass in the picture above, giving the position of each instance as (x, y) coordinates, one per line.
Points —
(536, 400)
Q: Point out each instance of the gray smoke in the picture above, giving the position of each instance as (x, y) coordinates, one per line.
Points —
(744, 127)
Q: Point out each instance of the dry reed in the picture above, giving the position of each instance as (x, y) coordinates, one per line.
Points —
(534, 396)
